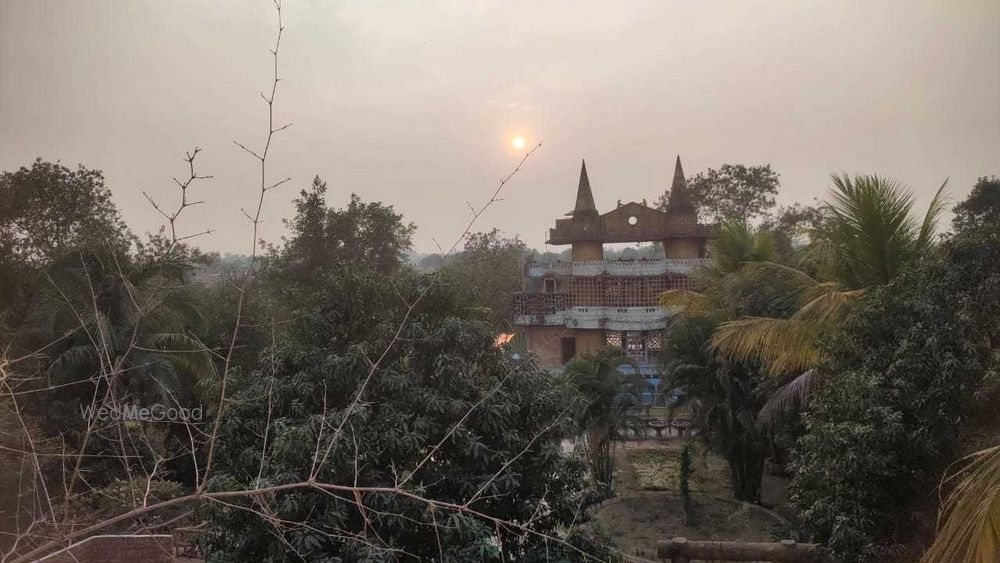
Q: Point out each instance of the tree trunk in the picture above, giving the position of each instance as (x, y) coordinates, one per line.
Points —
(746, 466)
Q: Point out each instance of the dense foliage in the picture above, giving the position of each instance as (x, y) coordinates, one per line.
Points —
(315, 390)
(123, 321)
(733, 192)
(982, 207)
(504, 460)
(725, 395)
(607, 385)
(725, 398)
(350, 368)
(47, 211)
(487, 273)
(909, 361)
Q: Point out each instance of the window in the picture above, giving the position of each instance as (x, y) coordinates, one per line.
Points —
(654, 341)
(634, 342)
(568, 344)
(614, 338)
(550, 285)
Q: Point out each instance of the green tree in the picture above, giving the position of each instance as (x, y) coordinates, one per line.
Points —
(341, 309)
(726, 394)
(333, 259)
(495, 427)
(117, 331)
(733, 192)
(981, 208)
(607, 392)
(791, 226)
(909, 362)
(867, 237)
(489, 272)
(362, 235)
(725, 398)
(46, 211)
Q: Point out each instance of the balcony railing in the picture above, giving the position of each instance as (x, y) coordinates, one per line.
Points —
(614, 267)
(540, 303)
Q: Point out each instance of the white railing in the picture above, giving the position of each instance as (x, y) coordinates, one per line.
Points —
(616, 267)
(611, 318)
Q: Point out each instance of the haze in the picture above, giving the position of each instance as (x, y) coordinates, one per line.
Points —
(416, 103)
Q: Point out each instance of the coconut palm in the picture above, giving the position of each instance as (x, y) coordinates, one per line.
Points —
(969, 529)
(130, 324)
(867, 237)
(735, 244)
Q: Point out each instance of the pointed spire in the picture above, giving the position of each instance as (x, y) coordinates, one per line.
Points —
(584, 197)
(679, 205)
(679, 190)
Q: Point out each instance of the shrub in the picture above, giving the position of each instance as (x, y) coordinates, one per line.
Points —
(905, 370)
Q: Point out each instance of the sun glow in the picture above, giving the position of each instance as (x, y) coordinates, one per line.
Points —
(518, 142)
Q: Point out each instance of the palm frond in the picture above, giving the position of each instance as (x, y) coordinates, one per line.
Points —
(827, 308)
(874, 235)
(780, 345)
(765, 271)
(969, 527)
(737, 242)
(934, 211)
(788, 397)
(73, 358)
(689, 303)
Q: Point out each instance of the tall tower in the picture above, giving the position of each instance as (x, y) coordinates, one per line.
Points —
(587, 244)
(680, 211)
(569, 308)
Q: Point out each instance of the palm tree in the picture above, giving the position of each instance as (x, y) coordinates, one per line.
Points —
(969, 529)
(607, 392)
(735, 245)
(724, 401)
(867, 237)
(122, 332)
(130, 324)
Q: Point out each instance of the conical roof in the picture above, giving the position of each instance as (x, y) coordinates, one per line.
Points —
(679, 206)
(584, 197)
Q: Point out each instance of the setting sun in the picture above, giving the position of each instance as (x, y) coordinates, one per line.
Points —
(517, 142)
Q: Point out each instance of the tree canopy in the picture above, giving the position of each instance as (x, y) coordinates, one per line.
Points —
(732, 192)
(981, 208)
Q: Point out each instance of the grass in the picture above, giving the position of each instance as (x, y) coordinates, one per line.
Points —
(648, 507)
(658, 469)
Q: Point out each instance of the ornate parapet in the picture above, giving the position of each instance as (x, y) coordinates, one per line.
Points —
(631, 222)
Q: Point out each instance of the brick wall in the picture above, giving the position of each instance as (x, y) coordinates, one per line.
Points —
(545, 342)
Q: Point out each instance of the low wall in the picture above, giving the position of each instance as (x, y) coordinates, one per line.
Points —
(116, 549)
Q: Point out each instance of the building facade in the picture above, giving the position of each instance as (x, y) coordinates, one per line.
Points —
(589, 303)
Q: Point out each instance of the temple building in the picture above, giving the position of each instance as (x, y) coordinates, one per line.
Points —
(568, 308)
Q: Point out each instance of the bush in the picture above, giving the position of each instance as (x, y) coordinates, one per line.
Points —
(903, 373)
(509, 446)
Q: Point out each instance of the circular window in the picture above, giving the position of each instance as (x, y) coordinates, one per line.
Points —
(633, 220)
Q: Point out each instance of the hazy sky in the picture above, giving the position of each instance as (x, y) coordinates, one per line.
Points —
(415, 103)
